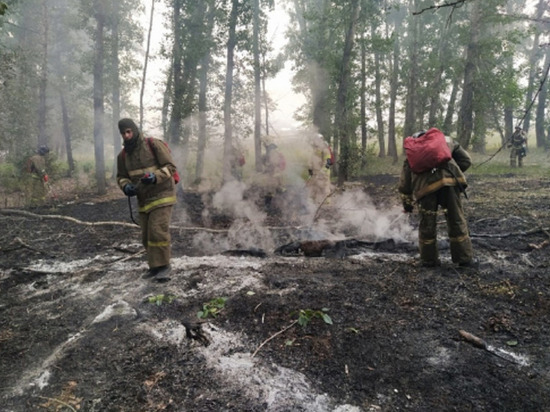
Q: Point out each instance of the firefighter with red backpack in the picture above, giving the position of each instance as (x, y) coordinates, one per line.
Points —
(433, 176)
(145, 169)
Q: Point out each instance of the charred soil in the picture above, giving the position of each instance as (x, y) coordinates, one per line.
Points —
(81, 330)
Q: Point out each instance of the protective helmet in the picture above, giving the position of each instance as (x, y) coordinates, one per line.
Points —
(43, 150)
(418, 134)
(271, 146)
(518, 128)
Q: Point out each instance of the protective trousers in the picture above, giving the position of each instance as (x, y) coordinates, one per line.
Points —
(515, 153)
(155, 235)
(457, 227)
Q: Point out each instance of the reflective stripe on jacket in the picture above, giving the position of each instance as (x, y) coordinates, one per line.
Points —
(448, 174)
(132, 166)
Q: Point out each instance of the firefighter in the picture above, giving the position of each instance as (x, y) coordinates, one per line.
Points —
(518, 145)
(274, 165)
(149, 176)
(319, 164)
(36, 169)
(237, 161)
(439, 186)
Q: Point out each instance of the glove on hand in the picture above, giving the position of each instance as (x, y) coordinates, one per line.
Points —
(329, 163)
(46, 178)
(149, 178)
(130, 190)
(408, 207)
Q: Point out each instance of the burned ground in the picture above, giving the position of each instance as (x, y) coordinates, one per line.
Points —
(80, 329)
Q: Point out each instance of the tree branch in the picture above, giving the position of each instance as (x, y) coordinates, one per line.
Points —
(436, 7)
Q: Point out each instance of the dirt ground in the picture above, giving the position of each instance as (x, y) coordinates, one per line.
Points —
(80, 329)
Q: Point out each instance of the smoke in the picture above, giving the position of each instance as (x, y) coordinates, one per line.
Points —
(248, 210)
(357, 215)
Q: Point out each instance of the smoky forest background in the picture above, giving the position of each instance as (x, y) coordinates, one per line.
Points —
(371, 73)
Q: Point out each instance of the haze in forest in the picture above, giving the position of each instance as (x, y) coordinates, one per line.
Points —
(361, 75)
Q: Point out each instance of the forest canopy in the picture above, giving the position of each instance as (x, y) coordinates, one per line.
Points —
(369, 69)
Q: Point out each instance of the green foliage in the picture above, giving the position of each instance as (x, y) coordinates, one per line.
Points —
(535, 164)
(160, 299)
(212, 308)
(307, 315)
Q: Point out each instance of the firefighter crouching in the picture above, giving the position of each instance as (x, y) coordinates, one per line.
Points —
(149, 176)
(440, 186)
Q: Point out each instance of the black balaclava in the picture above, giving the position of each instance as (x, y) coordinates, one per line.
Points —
(124, 124)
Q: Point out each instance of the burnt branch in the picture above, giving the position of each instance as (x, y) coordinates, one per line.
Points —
(454, 4)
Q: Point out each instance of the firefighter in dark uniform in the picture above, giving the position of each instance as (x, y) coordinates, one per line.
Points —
(518, 145)
(441, 186)
(149, 176)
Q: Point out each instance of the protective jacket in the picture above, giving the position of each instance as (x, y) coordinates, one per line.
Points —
(440, 187)
(448, 174)
(36, 166)
(141, 160)
(518, 139)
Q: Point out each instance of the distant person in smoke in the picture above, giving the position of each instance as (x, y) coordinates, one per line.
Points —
(320, 162)
(518, 145)
(237, 162)
(38, 177)
(274, 165)
(146, 170)
(439, 186)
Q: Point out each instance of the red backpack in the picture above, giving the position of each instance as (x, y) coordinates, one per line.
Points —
(149, 141)
(428, 151)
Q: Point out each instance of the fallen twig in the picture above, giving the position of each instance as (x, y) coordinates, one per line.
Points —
(133, 226)
(61, 217)
(18, 243)
(273, 336)
(58, 401)
(510, 234)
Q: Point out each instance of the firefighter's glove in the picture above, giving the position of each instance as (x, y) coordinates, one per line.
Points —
(149, 178)
(130, 190)
(408, 207)
(329, 163)
(46, 178)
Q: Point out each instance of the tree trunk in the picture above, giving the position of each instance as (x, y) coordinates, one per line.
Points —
(465, 118)
(66, 132)
(541, 105)
(410, 126)
(448, 122)
(201, 143)
(394, 79)
(534, 57)
(142, 92)
(42, 137)
(363, 103)
(98, 100)
(435, 95)
(378, 98)
(227, 106)
(117, 144)
(174, 126)
(257, 82)
(203, 88)
(342, 121)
